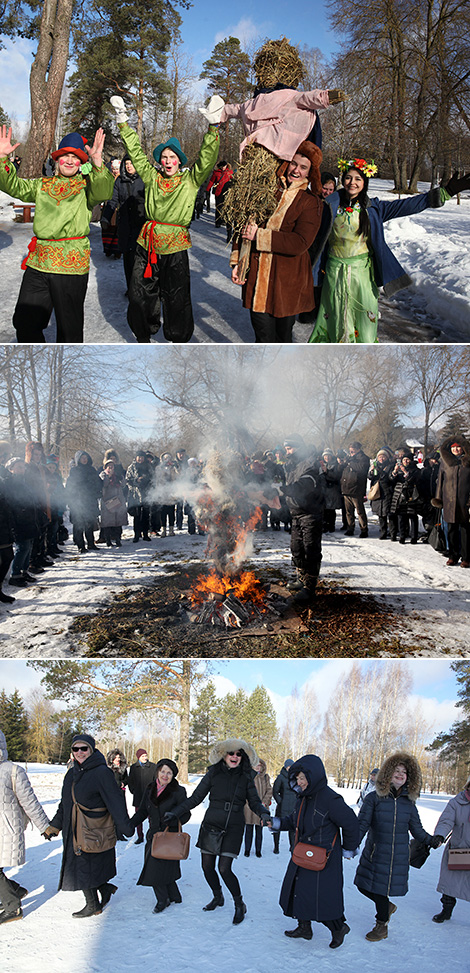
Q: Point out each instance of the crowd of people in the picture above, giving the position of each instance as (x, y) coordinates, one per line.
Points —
(309, 488)
(320, 824)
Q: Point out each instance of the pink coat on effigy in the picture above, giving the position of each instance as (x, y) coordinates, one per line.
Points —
(280, 120)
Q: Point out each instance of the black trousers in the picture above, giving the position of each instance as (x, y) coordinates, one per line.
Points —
(9, 897)
(382, 904)
(305, 543)
(249, 837)
(459, 541)
(41, 294)
(6, 557)
(166, 292)
(269, 329)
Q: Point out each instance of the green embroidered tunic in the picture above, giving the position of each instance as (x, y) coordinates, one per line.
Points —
(62, 215)
(169, 201)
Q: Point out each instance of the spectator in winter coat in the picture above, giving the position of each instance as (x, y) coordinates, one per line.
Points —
(129, 201)
(17, 799)
(285, 798)
(379, 474)
(167, 474)
(57, 503)
(229, 784)
(369, 786)
(404, 477)
(320, 817)
(353, 488)
(6, 539)
(113, 505)
(387, 816)
(90, 783)
(252, 820)
(116, 761)
(138, 480)
(454, 822)
(305, 499)
(141, 773)
(330, 476)
(23, 509)
(453, 496)
(83, 489)
(219, 182)
(161, 795)
(36, 477)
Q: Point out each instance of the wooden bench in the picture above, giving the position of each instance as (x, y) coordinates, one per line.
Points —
(25, 211)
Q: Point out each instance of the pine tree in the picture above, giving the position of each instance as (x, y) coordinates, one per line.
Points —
(231, 714)
(228, 74)
(203, 728)
(260, 726)
(15, 726)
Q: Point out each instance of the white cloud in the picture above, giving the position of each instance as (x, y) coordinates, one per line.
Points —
(246, 31)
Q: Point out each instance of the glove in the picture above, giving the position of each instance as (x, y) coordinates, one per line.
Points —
(458, 184)
(50, 832)
(213, 110)
(265, 820)
(436, 840)
(169, 818)
(336, 95)
(120, 108)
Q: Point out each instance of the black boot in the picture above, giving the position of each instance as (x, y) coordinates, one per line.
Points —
(217, 900)
(338, 936)
(106, 891)
(448, 903)
(303, 930)
(92, 906)
(240, 910)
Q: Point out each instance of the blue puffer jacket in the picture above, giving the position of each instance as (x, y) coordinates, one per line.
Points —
(384, 863)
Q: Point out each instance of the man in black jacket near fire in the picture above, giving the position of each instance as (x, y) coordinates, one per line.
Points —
(305, 499)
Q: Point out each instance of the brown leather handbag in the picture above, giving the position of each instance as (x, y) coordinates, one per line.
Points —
(90, 834)
(170, 845)
(310, 856)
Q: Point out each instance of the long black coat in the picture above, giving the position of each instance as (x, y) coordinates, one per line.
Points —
(140, 776)
(381, 506)
(304, 490)
(453, 482)
(83, 489)
(318, 895)
(283, 794)
(129, 200)
(94, 787)
(384, 864)
(222, 785)
(354, 475)
(157, 871)
(23, 507)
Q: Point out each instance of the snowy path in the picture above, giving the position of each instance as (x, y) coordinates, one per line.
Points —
(432, 601)
(127, 936)
(434, 247)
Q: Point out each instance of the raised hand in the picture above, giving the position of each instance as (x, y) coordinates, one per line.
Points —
(120, 108)
(6, 148)
(96, 151)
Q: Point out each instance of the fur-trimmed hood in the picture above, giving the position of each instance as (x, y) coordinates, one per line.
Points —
(448, 458)
(223, 747)
(116, 753)
(414, 777)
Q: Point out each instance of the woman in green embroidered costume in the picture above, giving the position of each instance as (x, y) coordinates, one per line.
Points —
(358, 258)
(160, 277)
(57, 264)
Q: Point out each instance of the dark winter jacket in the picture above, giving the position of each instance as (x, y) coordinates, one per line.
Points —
(120, 773)
(24, 511)
(381, 473)
(405, 496)
(303, 490)
(129, 200)
(285, 797)
(330, 478)
(387, 817)
(138, 479)
(222, 784)
(140, 776)
(453, 482)
(323, 814)
(7, 522)
(387, 271)
(83, 488)
(354, 475)
(154, 807)
(95, 787)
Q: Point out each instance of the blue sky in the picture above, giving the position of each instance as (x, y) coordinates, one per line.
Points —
(434, 683)
(204, 25)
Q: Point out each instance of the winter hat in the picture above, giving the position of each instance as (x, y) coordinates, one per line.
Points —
(84, 738)
(356, 444)
(166, 762)
(140, 752)
(52, 459)
(11, 462)
(109, 462)
(222, 747)
(288, 763)
(72, 143)
(315, 156)
(328, 452)
(327, 177)
(374, 771)
(172, 144)
(295, 441)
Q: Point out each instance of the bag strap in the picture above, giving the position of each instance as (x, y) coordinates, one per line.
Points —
(82, 806)
(328, 853)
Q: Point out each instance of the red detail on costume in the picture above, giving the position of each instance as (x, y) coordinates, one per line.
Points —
(7, 168)
(31, 248)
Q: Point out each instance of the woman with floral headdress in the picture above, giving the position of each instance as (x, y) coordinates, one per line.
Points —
(357, 260)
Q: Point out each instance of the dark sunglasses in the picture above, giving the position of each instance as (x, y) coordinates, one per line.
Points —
(80, 749)
(234, 753)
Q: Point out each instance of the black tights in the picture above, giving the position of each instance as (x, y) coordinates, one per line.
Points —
(382, 904)
(225, 871)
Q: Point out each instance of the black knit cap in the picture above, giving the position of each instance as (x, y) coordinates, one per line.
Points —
(84, 738)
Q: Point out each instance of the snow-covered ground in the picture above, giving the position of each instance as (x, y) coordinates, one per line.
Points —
(128, 937)
(433, 600)
(434, 247)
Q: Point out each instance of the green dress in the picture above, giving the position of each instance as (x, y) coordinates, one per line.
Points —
(348, 312)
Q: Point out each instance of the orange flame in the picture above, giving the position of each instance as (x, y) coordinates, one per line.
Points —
(245, 587)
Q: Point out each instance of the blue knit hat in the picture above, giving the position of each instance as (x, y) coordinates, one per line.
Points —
(175, 147)
(72, 143)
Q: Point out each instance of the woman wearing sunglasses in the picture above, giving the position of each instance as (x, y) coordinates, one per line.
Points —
(94, 787)
(229, 784)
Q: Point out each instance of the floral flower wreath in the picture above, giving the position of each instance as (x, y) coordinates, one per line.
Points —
(368, 168)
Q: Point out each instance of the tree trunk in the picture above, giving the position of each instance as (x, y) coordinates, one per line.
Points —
(184, 725)
(46, 82)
